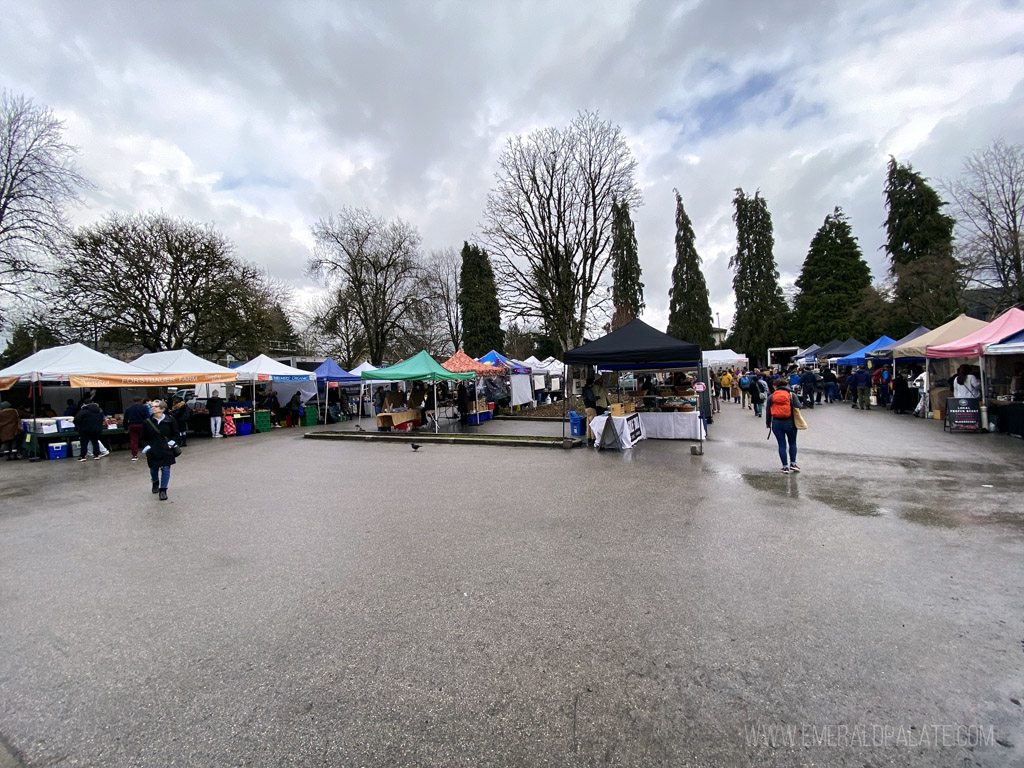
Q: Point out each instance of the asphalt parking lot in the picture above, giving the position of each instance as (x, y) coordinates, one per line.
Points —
(308, 603)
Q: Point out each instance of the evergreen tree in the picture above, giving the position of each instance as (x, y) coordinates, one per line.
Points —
(478, 300)
(919, 241)
(689, 313)
(762, 318)
(27, 338)
(627, 290)
(831, 284)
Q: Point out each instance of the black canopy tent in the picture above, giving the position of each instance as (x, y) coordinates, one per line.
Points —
(636, 346)
(838, 349)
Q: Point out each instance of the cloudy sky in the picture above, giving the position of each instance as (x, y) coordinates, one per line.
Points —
(264, 117)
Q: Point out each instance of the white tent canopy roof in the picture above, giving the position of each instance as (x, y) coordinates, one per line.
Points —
(263, 368)
(366, 366)
(178, 361)
(723, 357)
(61, 363)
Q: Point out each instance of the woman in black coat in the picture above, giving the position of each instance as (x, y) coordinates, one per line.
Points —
(159, 436)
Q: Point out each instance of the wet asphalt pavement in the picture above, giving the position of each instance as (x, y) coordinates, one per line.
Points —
(313, 603)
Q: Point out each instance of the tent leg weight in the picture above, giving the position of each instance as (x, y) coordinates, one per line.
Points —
(696, 450)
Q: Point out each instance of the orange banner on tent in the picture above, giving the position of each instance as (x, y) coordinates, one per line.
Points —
(151, 379)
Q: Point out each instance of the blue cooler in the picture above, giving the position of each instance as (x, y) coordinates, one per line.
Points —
(57, 450)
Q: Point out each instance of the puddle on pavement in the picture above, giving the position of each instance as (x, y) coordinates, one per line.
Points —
(846, 499)
(935, 518)
(912, 503)
(786, 486)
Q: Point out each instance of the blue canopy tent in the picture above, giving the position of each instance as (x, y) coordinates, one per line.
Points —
(520, 387)
(500, 361)
(329, 372)
(860, 356)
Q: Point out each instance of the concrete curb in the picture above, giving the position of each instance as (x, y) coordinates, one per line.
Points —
(554, 442)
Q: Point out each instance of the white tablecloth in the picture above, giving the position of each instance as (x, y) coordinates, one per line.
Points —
(626, 429)
(660, 425)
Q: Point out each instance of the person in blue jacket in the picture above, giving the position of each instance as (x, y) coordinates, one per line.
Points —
(862, 381)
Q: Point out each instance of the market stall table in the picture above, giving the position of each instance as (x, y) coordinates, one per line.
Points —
(397, 418)
(621, 431)
(677, 425)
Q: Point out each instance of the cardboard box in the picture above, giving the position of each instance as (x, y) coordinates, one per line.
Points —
(630, 407)
(617, 409)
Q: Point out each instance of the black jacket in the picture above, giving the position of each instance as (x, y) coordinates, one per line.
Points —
(215, 406)
(89, 420)
(156, 435)
(136, 413)
(181, 415)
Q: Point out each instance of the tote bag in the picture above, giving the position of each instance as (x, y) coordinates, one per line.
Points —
(798, 419)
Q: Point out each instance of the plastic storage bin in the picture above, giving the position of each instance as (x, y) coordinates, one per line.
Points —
(244, 428)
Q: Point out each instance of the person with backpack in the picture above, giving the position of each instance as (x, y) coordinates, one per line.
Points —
(779, 418)
(745, 381)
(763, 391)
(808, 384)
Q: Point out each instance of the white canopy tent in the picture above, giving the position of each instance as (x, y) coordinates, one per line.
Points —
(358, 371)
(723, 358)
(74, 364)
(286, 380)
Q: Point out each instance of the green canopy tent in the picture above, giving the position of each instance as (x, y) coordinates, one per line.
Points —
(419, 367)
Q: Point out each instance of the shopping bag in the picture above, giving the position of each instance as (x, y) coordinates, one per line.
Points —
(798, 419)
(229, 426)
(103, 449)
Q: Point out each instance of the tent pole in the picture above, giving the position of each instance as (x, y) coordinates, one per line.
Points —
(564, 398)
(984, 401)
(435, 406)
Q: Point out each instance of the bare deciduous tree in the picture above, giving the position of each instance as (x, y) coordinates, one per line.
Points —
(162, 283)
(549, 221)
(333, 329)
(443, 280)
(989, 207)
(38, 180)
(376, 262)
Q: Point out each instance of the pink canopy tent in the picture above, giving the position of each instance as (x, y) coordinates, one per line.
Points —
(973, 344)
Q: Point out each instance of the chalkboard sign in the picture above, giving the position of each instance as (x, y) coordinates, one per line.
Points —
(963, 414)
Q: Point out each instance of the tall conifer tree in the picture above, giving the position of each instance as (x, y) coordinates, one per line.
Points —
(762, 318)
(627, 290)
(689, 314)
(478, 299)
(831, 285)
(920, 245)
